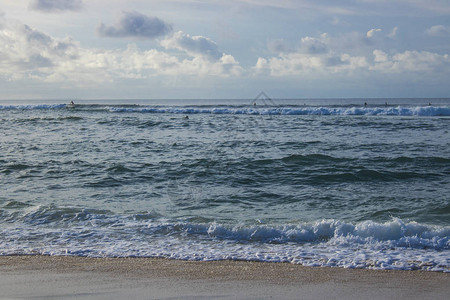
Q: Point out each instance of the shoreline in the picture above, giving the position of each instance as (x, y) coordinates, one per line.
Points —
(64, 277)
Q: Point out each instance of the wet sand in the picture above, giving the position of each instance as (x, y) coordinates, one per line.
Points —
(47, 277)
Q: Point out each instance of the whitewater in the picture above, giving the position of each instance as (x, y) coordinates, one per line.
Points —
(265, 110)
(353, 183)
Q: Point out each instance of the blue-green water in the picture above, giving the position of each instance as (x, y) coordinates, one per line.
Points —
(317, 182)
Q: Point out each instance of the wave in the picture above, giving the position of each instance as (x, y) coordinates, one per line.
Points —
(248, 110)
(373, 111)
(395, 244)
(397, 232)
(33, 106)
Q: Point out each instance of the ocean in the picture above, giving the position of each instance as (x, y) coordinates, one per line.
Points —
(353, 183)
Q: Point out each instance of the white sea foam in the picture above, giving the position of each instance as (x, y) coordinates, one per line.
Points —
(390, 245)
(263, 110)
(31, 106)
(372, 111)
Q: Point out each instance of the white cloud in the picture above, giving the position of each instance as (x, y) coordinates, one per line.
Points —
(300, 64)
(206, 57)
(380, 56)
(27, 53)
(372, 32)
(137, 25)
(315, 56)
(319, 62)
(438, 30)
(410, 61)
(56, 5)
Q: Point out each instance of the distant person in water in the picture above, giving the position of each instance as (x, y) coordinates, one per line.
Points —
(365, 103)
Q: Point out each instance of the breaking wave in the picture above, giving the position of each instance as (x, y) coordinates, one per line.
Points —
(248, 110)
(372, 111)
(395, 244)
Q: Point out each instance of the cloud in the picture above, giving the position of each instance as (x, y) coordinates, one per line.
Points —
(29, 54)
(279, 46)
(302, 65)
(328, 59)
(410, 61)
(371, 32)
(56, 5)
(380, 56)
(308, 66)
(393, 33)
(312, 45)
(205, 54)
(193, 45)
(315, 56)
(39, 37)
(438, 30)
(136, 25)
(308, 45)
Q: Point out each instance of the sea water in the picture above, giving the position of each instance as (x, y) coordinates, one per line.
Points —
(355, 183)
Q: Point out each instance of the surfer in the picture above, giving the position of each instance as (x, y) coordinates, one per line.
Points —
(71, 105)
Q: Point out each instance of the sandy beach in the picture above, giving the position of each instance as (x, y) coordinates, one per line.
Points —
(47, 277)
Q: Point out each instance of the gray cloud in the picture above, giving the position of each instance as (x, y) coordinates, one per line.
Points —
(334, 61)
(34, 35)
(56, 5)
(40, 42)
(197, 45)
(137, 25)
(313, 46)
(39, 61)
(200, 45)
(280, 46)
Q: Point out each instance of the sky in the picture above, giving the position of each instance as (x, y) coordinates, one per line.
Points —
(224, 49)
